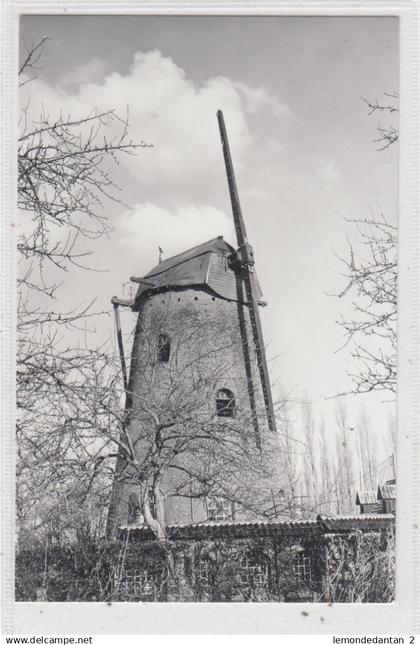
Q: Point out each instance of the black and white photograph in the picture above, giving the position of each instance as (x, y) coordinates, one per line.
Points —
(207, 309)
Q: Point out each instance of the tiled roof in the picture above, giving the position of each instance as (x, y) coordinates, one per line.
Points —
(264, 527)
(366, 497)
(236, 527)
(349, 522)
(261, 523)
(387, 491)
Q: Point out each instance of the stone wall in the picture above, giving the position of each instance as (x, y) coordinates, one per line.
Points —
(346, 567)
(273, 563)
(211, 349)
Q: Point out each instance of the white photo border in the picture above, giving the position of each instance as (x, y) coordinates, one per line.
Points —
(399, 617)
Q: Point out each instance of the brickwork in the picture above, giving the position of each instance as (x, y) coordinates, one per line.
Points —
(211, 349)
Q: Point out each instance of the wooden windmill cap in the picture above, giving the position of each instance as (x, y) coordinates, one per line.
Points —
(206, 265)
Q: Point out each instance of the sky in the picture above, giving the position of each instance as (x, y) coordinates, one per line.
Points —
(303, 149)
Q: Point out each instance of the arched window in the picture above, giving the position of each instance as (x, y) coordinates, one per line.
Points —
(225, 403)
(163, 348)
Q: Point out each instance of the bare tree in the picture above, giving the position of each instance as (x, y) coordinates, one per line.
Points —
(371, 276)
(387, 106)
(310, 459)
(61, 472)
(64, 178)
(372, 279)
(290, 453)
(345, 460)
(327, 494)
(72, 418)
(361, 567)
(174, 444)
(368, 448)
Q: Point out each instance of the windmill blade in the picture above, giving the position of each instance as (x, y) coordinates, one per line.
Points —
(246, 260)
(250, 287)
(233, 191)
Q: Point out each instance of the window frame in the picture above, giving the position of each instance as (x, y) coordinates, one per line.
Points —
(302, 567)
(203, 572)
(141, 582)
(225, 404)
(163, 348)
(255, 572)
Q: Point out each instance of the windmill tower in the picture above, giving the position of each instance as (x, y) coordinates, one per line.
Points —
(199, 404)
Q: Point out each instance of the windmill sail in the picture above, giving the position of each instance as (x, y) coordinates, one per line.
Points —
(246, 260)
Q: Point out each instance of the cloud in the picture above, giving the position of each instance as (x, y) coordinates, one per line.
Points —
(166, 109)
(260, 98)
(92, 72)
(151, 226)
(328, 171)
(179, 185)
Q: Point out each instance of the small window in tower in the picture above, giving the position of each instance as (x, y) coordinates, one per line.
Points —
(225, 403)
(163, 348)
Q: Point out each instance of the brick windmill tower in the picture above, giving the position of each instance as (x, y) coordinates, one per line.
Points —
(198, 398)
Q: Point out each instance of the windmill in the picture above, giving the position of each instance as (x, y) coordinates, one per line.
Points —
(245, 261)
(215, 284)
